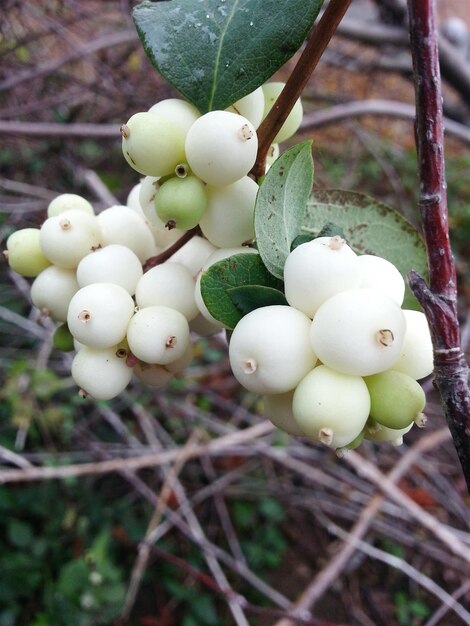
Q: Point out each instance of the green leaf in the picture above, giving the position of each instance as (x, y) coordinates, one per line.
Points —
(370, 227)
(216, 51)
(329, 230)
(280, 205)
(238, 270)
(250, 297)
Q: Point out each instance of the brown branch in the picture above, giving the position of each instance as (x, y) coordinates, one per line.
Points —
(439, 300)
(316, 44)
(170, 251)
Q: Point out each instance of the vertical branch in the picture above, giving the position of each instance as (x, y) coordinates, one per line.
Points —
(439, 300)
(317, 42)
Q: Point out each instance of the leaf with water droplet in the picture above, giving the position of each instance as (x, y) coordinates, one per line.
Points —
(199, 47)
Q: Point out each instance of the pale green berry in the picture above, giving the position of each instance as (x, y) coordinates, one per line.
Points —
(52, 291)
(397, 400)
(158, 334)
(317, 270)
(378, 273)
(416, 356)
(112, 264)
(101, 373)
(152, 144)
(376, 432)
(221, 147)
(99, 314)
(269, 349)
(278, 410)
(358, 332)
(331, 407)
(250, 106)
(181, 202)
(24, 253)
(68, 237)
(170, 284)
(271, 93)
(67, 201)
(63, 339)
(228, 220)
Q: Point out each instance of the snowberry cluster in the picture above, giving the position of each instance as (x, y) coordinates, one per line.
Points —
(196, 166)
(88, 269)
(88, 277)
(340, 363)
(343, 360)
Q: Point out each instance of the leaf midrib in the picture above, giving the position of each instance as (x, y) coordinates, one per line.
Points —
(219, 53)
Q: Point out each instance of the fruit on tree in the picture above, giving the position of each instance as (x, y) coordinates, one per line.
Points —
(180, 202)
(358, 332)
(269, 349)
(397, 400)
(24, 253)
(98, 314)
(221, 147)
(317, 270)
(331, 407)
(152, 144)
(158, 334)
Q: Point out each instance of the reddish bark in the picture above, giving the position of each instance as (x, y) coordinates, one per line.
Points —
(439, 299)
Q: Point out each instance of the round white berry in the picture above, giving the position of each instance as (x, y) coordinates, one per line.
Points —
(228, 219)
(317, 270)
(52, 291)
(416, 356)
(221, 147)
(122, 225)
(98, 314)
(250, 106)
(67, 201)
(378, 273)
(158, 334)
(169, 284)
(101, 373)
(358, 332)
(68, 237)
(269, 349)
(112, 264)
(331, 407)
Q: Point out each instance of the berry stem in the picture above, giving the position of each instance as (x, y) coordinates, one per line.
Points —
(439, 299)
(170, 251)
(314, 48)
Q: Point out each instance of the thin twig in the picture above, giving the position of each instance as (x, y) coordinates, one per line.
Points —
(325, 578)
(134, 463)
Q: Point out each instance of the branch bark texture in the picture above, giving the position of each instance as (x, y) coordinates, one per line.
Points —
(439, 299)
